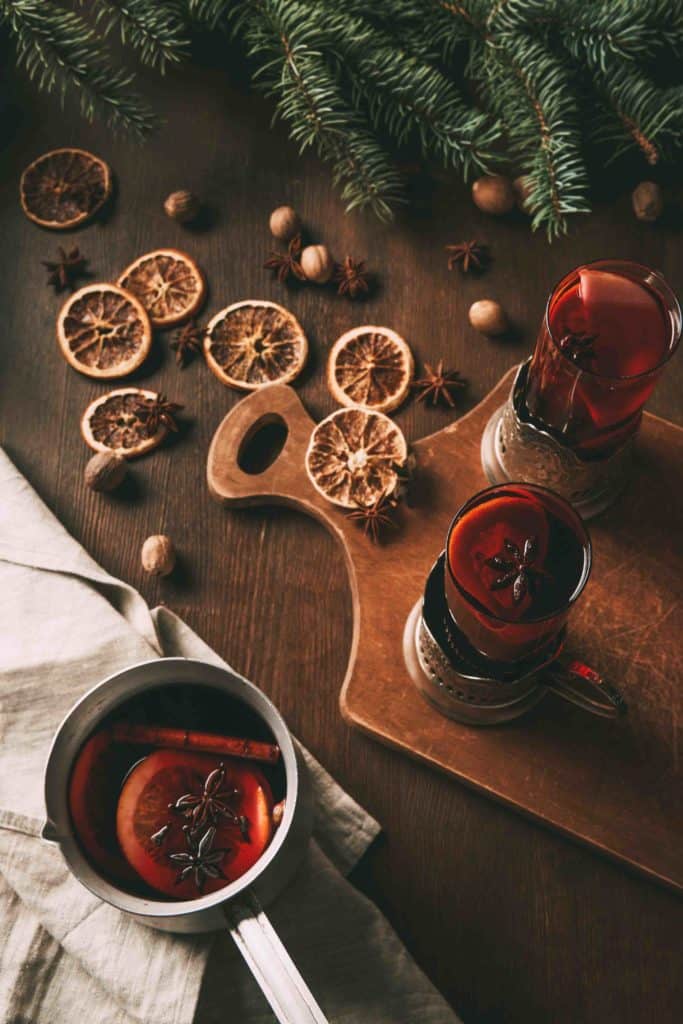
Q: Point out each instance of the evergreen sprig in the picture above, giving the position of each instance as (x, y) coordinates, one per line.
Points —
(527, 84)
(156, 30)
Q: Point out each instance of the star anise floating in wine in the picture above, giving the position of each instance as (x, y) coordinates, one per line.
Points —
(67, 269)
(516, 568)
(579, 347)
(211, 804)
(188, 343)
(468, 256)
(438, 384)
(158, 411)
(287, 264)
(351, 278)
(201, 860)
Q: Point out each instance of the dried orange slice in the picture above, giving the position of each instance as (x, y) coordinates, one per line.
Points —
(168, 283)
(64, 188)
(253, 343)
(119, 422)
(353, 457)
(103, 331)
(371, 367)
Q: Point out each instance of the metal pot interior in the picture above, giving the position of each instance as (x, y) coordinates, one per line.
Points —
(97, 704)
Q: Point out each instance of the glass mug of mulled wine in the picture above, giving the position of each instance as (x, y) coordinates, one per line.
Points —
(517, 559)
(609, 329)
(575, 407)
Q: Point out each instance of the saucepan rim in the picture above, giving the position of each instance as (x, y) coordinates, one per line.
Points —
(100, 701)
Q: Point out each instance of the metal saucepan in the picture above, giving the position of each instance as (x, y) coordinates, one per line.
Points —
(238, 904)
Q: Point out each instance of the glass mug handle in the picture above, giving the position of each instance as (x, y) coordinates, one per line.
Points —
(582, 685)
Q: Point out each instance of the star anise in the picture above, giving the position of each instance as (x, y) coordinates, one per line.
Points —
(201, 860)
(516, 568)
(469, 255)
(376, 517)
(187, 343)
(579, 347)
(159, 837)
(287, 263)
(212, 804)
(438, 384)
(66, 270)
(158, 411)
(351, 278)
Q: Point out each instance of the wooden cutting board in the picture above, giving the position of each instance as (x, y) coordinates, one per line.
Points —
(614, 785)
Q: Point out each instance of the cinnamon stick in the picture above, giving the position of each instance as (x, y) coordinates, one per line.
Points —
(202, 742)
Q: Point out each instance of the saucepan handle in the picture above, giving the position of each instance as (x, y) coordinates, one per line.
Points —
(582, 685)
(288, 994)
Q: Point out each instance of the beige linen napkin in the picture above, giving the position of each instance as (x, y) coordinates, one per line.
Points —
(64, 625)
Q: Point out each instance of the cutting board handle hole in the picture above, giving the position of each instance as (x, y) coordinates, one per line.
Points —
(262, 444)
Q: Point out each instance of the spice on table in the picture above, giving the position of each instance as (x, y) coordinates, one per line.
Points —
(105, 471)
(438, 384)
(183, 206)
(351, 278)
(375, 518)
(287, 264)
(494, 194)
(158, 555)
(317, 264)
(158, 412)
(285, 223)
(188, 343)
(104, 331)
(64, 188)
(65, 271)
(169, 284)
(253, 343)
(488, 317)
(648, 202)
(352, 457)
(118, 422)
(370, 367)
(468, 256)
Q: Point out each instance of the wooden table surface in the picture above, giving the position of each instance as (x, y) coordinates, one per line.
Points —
(512, 922)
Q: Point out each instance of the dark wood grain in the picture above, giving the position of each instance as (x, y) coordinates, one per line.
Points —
(512, 922)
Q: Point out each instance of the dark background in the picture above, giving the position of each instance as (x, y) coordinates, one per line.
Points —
(511, 922)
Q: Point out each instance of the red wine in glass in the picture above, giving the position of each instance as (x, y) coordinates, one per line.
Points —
(609, 329)
(517, 558)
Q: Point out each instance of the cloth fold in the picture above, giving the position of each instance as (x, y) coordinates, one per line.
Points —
(64, 625)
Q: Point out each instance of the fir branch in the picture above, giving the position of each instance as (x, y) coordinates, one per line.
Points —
(599, 31)
(156, 30)
(408, 96)
(639, 114)
(309, 99)
(59, 50)
(531, 92)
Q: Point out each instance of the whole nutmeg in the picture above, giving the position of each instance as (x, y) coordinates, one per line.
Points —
(158, 555)
(317, 263)
(182, 206)
(494, 193)
(648, 201)
(105, 471)
(488, 317)
(285, 223)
